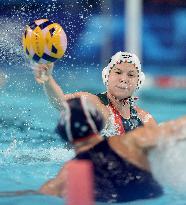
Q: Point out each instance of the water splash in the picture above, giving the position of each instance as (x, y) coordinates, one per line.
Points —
(16, 153)
(168, 163)
(3, 78)
(10, 149)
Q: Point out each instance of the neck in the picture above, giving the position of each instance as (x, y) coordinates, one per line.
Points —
(119, 104)
(87, 144)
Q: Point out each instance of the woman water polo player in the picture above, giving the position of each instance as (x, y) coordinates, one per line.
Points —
(121, 168)
(122, 77)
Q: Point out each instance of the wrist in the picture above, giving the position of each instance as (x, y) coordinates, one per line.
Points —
(47, 80)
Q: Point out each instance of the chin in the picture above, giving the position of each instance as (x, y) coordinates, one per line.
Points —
(120, 96)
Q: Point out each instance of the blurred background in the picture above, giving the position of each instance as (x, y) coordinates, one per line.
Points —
(92, 25)
(155, 30)
(96, 29)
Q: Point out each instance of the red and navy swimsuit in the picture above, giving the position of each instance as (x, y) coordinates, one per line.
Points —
(121, 124)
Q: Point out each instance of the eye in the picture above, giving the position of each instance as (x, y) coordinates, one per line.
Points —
(118, 72)
(131, 74)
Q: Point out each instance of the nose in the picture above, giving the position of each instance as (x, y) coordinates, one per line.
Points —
(123, 79)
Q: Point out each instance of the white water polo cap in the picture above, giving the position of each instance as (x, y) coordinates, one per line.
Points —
(120, 57)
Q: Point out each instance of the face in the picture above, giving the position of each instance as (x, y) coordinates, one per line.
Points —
(122, 80)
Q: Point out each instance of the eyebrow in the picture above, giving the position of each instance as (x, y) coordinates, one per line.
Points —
(117, 69)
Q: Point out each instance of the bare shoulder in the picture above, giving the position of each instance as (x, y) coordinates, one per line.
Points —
(145, 116)
(77, 94)
(92, 98)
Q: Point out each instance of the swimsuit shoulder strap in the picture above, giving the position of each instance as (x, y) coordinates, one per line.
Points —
(103, 98)
(133, 111)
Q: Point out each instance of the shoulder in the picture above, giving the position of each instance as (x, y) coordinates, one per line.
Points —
(83, 94)
(92, 98)
(77, 94)
(145, 116)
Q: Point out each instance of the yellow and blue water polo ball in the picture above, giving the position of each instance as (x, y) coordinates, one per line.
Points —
(44, 41)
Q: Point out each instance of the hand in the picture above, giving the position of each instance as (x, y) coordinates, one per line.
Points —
(42, 72)
(175, 128)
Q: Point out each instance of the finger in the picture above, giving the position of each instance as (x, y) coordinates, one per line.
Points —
(37, 73)
(39, 80)
(46, 66)
(50, 65)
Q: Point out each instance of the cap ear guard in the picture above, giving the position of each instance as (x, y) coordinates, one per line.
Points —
(105, 75)
(141, 80)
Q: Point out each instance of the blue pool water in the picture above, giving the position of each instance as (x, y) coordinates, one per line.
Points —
(31, 152)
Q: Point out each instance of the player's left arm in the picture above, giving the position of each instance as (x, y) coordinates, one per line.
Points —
(55, 186)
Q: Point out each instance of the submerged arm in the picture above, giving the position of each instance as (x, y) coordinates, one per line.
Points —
(55, 186)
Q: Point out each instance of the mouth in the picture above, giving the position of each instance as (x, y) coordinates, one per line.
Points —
(123, 87)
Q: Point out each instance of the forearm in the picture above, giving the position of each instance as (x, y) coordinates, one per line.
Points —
(54, 93)
(52, 187)
(150, 136)
(43, 75)
(143, 137)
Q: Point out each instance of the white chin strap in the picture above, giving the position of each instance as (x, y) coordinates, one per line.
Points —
(124, 57)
